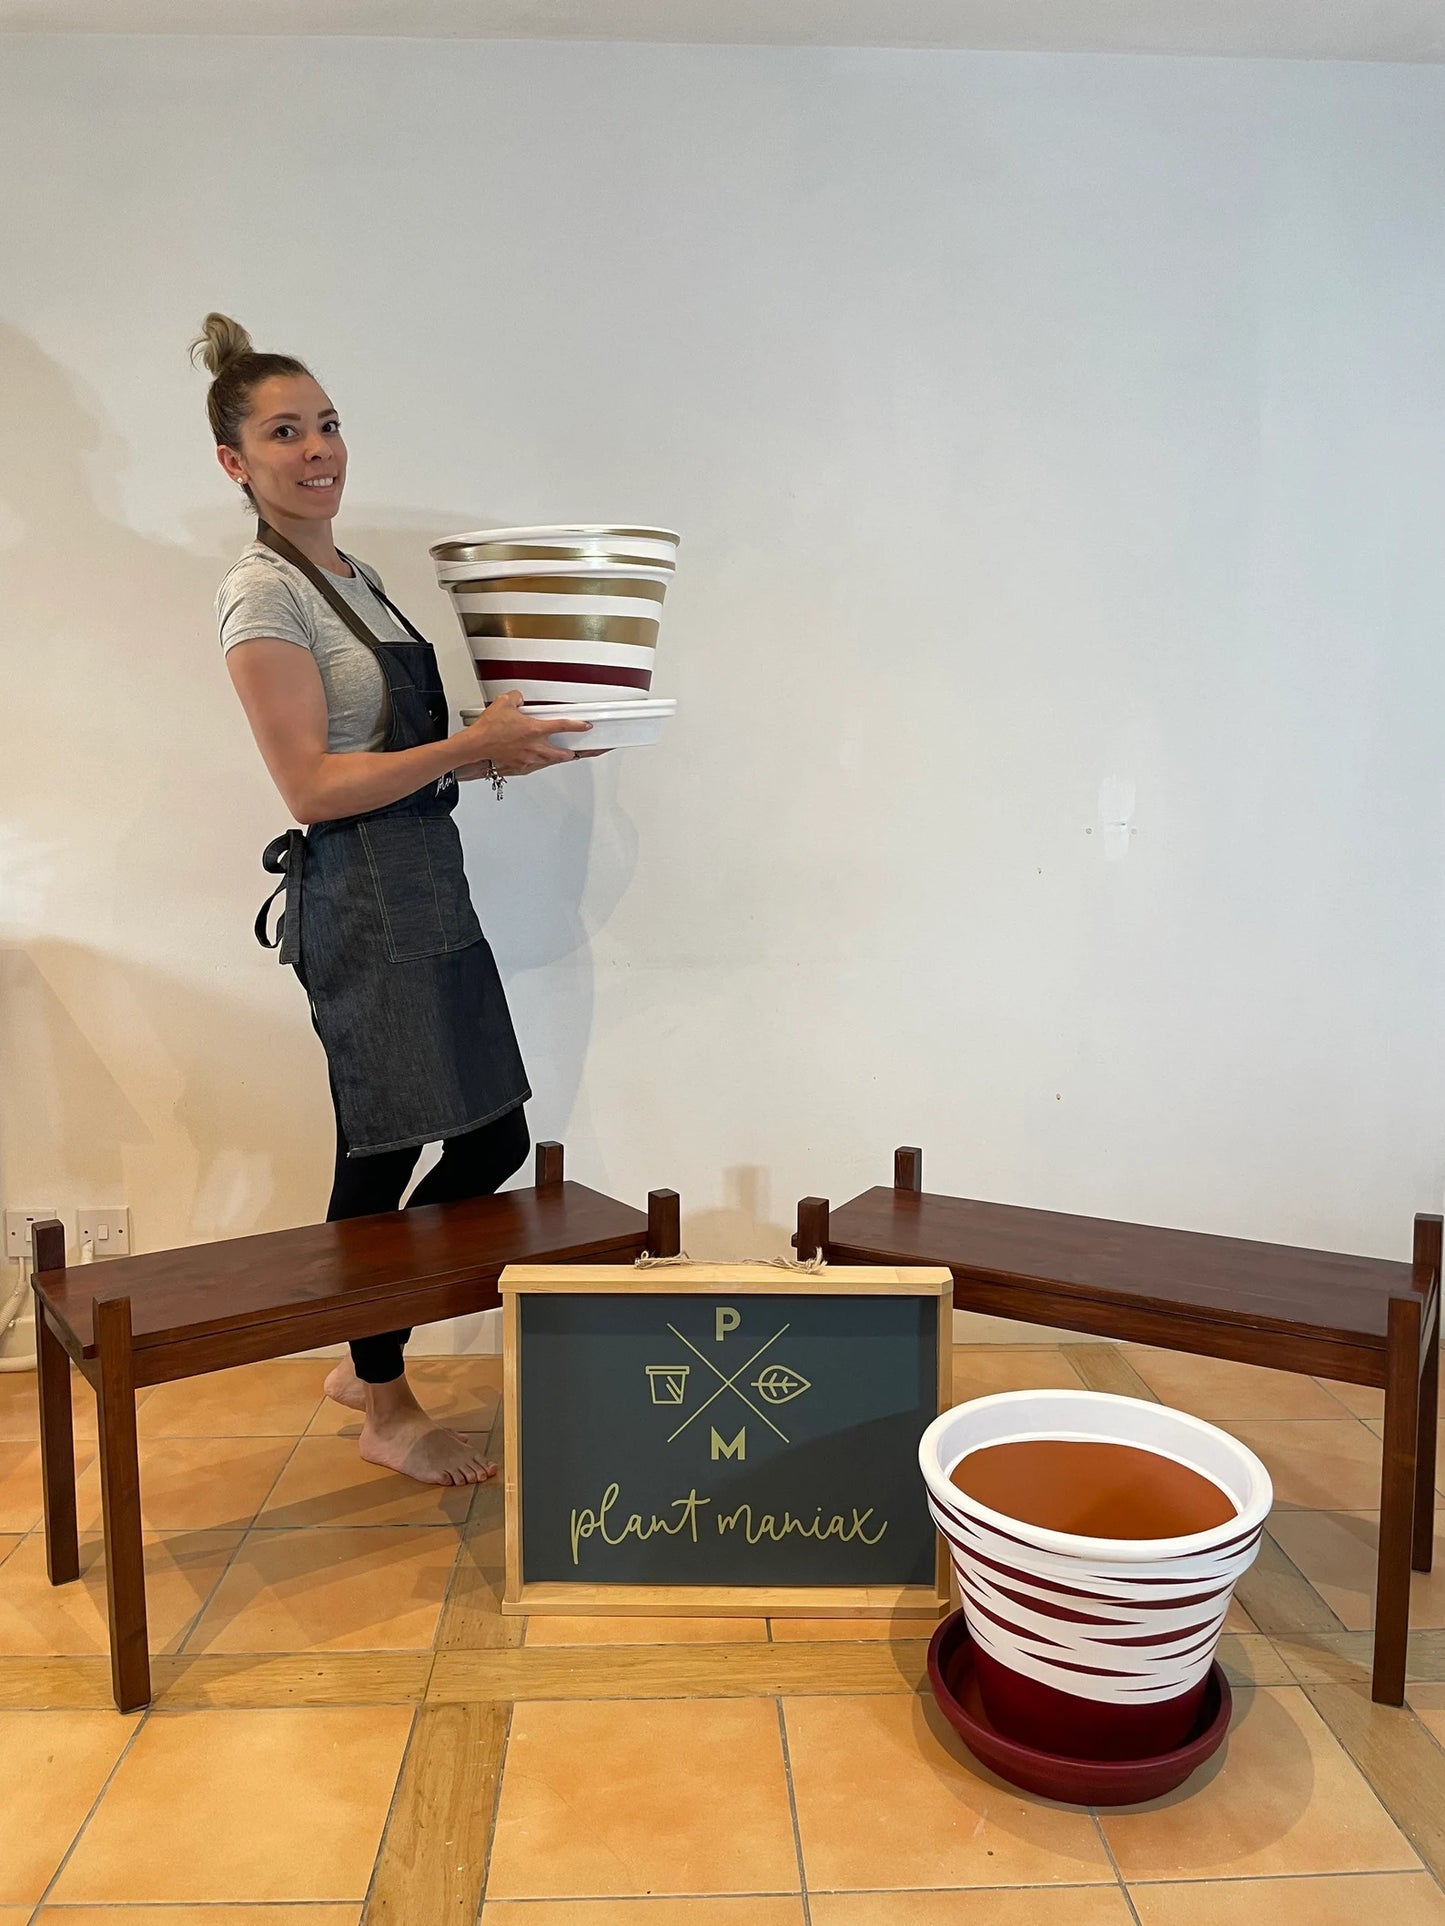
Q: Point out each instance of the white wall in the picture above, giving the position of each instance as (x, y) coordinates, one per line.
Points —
(1042, 430)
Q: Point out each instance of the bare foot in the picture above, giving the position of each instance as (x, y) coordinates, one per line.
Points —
(343, 1386)
(399, 1434)
(425, 1451)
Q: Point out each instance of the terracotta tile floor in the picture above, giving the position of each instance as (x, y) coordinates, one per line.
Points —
(346, 1730)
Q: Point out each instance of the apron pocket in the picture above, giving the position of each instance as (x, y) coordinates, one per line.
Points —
(416, 867)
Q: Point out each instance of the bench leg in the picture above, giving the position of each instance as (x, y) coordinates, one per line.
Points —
(1425, 1452)
(130, 1668)
(1397, 1501)
(664, 1223)
(1429, 1237)
(908, 1168)
(57, 1452)
(812, 1238)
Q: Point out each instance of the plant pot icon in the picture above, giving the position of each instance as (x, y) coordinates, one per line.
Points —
(667, 1382)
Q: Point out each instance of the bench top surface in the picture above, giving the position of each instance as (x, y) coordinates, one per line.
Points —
(208, 1287)
(1219, 1278)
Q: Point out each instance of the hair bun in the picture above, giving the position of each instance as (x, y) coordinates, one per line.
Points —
(220, 342)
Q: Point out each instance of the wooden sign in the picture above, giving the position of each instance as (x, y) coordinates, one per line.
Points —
(732, 1438)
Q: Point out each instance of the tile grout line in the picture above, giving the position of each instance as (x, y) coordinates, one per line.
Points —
(94, 1807)
(193, 1624)
(1284, 1878)
(406, 1752)
(496, 1482)
(1299, 1573)
(694, 1899)
(1119, 1877)
(1427, 1729)
(1022, 1886)
(496, 1809)
(1405, 1824)
(511, 1706)
(181, 1650)
(461, 1528)
(793, 1814)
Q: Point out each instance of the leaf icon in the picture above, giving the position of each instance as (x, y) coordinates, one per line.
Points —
(779, 1385)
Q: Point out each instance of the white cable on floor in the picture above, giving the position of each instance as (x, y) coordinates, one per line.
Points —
(10, 1312)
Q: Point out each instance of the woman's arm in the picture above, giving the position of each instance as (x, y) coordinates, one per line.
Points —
(285, 702)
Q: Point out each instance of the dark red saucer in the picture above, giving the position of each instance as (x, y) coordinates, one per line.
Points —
(1078, 1782)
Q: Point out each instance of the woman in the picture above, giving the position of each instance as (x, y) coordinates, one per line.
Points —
(345, 702)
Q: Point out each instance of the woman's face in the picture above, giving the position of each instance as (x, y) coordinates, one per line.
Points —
(291, 451)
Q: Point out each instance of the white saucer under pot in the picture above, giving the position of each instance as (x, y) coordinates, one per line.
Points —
(622, 725)
(585, 711)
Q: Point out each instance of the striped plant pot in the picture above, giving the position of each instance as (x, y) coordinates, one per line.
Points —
(1094, 1648)
(564, 615)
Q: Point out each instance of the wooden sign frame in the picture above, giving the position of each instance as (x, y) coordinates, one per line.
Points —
(739, 1280)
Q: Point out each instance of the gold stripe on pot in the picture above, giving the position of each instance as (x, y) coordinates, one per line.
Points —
(590, 552)
(635, 630)
(609, 585)
(467, 551)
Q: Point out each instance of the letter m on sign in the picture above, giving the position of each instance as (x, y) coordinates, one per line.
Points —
(737, 1449)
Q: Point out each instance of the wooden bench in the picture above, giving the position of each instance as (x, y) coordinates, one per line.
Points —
(1359, 1320)
(179, 1314)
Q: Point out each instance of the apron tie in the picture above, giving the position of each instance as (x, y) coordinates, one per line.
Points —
(283, 857)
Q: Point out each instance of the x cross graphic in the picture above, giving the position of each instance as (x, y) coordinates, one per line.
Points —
(727, 1384)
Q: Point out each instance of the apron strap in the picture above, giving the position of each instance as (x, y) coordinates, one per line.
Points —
(386, 601)
(326, 589)
(263, 935)
(283, 858)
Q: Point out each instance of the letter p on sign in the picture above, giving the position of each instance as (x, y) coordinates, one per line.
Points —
(727, 1320)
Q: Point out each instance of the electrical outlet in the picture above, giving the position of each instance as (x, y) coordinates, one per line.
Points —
(19, 1226)
(106, 1231)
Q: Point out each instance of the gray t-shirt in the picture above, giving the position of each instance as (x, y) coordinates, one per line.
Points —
(263, 595)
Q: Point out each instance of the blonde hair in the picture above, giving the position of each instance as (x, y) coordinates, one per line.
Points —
(225, 349)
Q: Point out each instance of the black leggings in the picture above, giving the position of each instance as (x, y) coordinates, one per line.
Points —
(472, 1165)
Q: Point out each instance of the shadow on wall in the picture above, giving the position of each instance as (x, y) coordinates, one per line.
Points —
(744, 1227)
(148, 1042)
(534, 857)
(127, 1087)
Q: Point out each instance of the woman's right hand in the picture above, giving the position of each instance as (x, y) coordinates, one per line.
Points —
(514, 744)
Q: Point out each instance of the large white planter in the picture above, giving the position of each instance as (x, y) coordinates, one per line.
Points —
(1094, 1647)
(563, 614)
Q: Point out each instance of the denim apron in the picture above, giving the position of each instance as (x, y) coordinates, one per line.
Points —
(378, 923)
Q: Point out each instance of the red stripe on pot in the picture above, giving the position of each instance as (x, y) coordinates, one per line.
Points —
(1045, 1581)
(494, 671)
(1202, 1633)
(1049, 1610)
(1013, 1631)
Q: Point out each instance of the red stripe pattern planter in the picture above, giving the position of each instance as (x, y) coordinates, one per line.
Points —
(1093, 1647)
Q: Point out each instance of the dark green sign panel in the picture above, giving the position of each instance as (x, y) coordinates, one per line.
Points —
(752, 1440)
